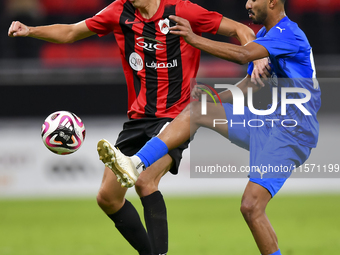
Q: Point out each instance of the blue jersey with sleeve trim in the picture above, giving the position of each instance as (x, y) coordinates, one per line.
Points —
(292, 63)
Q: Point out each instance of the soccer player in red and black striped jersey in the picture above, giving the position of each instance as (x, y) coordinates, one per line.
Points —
(158, 67)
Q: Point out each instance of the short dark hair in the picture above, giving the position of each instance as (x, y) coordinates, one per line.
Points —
(283, 1)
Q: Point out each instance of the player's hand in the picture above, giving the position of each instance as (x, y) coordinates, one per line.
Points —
(198, 90)
(261, 71)
(17, 29)
(182, 28)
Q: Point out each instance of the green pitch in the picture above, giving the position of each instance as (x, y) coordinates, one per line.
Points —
(305, 225)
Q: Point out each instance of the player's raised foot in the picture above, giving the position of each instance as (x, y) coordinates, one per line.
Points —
(120, 164)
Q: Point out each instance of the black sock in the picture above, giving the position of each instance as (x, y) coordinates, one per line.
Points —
(128, 223)
(156, 222)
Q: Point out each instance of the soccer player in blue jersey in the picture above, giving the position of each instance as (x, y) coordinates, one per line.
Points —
(271, 144)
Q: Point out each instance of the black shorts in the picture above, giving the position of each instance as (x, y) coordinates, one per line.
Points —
(137, 132)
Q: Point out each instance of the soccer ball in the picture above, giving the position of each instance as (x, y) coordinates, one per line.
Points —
(63, 132)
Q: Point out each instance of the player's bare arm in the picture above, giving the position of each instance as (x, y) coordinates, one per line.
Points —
(58, 33)
(231, 52)
(244, 35)
(231, 28)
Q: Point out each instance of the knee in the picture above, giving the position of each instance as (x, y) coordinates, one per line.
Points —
(108, 204)
(251, 210)
(144, 187)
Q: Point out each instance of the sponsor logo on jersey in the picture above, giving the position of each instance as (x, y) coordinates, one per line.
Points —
(136, 61)
(156, 65)
(150, 46)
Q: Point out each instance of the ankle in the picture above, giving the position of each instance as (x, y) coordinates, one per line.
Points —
(140, 167)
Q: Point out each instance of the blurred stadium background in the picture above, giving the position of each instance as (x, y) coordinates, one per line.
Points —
(38, 78)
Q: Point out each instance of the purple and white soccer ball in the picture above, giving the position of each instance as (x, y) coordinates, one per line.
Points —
(63, 132)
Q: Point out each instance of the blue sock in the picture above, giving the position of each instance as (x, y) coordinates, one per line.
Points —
(277, 253)
(152, 151)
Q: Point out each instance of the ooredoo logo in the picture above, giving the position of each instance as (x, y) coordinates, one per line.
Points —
(136, 61)
(204, 98)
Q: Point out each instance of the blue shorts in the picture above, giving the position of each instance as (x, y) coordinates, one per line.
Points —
(273, 153)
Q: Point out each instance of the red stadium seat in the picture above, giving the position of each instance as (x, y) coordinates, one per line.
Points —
(80, 54)
(321, 6)
(72, 6)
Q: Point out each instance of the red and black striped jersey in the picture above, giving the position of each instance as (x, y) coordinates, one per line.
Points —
(157, 65)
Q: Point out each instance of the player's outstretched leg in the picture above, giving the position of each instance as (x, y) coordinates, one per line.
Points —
(121, 165)
(127, 169)
(181, 129)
